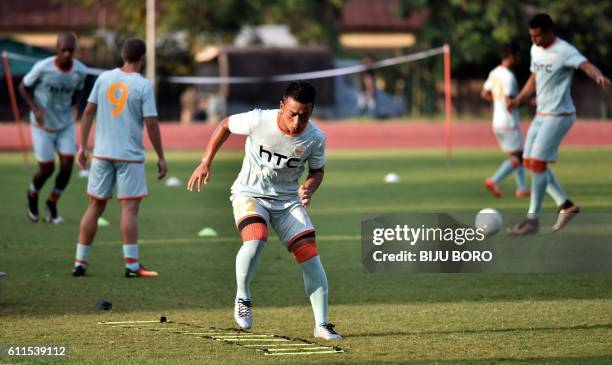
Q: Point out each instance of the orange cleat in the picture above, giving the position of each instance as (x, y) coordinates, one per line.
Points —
(140, 273)
(493, 188)
(523, 194)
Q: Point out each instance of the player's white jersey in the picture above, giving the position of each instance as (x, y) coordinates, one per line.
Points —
(274, 161)
(553, 67)
(502, 83)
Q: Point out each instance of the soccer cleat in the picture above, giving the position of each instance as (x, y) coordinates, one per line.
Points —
(520, 194)
(493, 187)
(528, 226)
(243, 314)
(564, 217)
(326, 331)
(32, 207)
(78, 270)
(140, 273)
(52, 216)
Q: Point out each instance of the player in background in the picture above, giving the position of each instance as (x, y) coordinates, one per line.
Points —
(553, 61)
(499, 88)
(121, 99)
(52, 89)
(266, 192)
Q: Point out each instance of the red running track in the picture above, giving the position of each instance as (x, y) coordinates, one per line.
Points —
(358, 135)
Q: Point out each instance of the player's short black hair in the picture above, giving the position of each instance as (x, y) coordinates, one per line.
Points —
(133, 49)
(509, 49)
(542, 21)
(300, 91)
(66, 37)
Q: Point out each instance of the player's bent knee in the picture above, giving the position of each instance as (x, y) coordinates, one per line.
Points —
(538, 166)
(305, 251)
(516, 159)
(253, 228)
(46, 168)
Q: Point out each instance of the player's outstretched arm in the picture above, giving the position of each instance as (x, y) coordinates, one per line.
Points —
(202, 171)
(527, 91)
(595, 74)
(86, 122)
(310, 185)
(155, 138)
(29, 99)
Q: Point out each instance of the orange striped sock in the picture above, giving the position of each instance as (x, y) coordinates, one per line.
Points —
(130, 256)
(82, 255)
(55, 195)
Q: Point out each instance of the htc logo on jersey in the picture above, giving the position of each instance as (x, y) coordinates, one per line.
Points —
(277, 158)
(542, 67)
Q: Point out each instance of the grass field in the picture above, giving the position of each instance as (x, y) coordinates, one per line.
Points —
(386, 318)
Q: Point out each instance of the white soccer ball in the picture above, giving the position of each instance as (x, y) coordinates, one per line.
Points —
(489, 220)
(392, 178)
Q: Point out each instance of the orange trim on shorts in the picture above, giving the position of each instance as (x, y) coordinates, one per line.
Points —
(564, 114)
(97, 197)
(305, 252)
(135, 197)
(116, 160)
(296, 237)
(538, 166)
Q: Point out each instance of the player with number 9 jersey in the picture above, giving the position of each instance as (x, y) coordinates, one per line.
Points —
(123, 100)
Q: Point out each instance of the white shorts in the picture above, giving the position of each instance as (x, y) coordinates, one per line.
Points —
(545, 135)
(129, 177)
(509, 140)
(46, 143)
(288, 217)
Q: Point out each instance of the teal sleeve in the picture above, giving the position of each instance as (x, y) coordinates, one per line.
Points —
(31, 77)
(93, 96)
(317, 157)
(148, 102)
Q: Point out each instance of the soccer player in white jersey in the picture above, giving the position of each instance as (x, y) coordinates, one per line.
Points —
(266, 192)
(123, 102)
(499, 88)
(52, 90)
(553, 62)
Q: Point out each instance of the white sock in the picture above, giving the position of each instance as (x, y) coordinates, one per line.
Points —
(130, 256)
(82, 255)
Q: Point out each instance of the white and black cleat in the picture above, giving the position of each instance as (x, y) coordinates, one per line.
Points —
(564, 217)
(243, 314)
(326, 331)
(52, 216)
(32, 208)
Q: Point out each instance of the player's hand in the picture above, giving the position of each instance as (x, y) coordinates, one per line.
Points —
(533, 102)
(82, 157)
(602, 81)
(305, 196)
(39, 114)
(200, 174)
(512, 104)
(162, 168)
